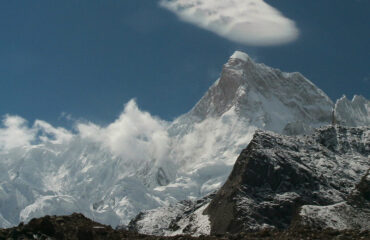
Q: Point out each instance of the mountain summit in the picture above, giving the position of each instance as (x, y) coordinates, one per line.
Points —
(265, 97)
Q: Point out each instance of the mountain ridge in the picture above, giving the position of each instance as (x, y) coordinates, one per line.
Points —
(185, 159)
(318, 180)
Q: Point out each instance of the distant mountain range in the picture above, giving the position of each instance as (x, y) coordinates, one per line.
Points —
(81, 175)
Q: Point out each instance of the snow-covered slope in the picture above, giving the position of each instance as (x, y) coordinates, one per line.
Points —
(353, 113)
(275, 178)
(265, 97)
(138, 162)
(246, 97)
(276, 175)
(184, 217)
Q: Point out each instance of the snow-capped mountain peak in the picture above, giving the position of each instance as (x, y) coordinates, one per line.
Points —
(139, 162)
(241, 56)
(264, 96)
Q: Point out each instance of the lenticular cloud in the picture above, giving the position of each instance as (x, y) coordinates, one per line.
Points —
(250, 22)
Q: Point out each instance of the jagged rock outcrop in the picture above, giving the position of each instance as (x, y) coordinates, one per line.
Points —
(276, 175)
(283, 181)
(185, 217)
(354, 213)
(352, 113)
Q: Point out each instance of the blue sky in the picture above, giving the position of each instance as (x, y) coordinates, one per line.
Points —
(88, 58)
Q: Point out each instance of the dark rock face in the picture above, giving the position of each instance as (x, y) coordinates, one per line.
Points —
(364, 187)
(276, 175)
(161, 177)
(354, 213)
(74, 226)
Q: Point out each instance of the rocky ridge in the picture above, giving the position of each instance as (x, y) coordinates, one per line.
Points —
(353, 213)
(282, 181)
(352, 113)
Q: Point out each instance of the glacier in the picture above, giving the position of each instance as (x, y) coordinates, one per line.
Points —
(140, 162)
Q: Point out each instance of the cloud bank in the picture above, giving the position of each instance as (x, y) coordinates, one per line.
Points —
(134, 135)
(15, 133)
(250, 22)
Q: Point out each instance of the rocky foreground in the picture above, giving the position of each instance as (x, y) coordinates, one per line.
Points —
(76, 226)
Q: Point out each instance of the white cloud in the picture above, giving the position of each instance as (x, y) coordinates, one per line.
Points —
(135, 135)
(251, 22)
(48, 133)
(15, 133)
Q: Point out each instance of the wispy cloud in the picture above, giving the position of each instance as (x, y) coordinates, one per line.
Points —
(250, 22)
(15, 133)
(135, 135)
